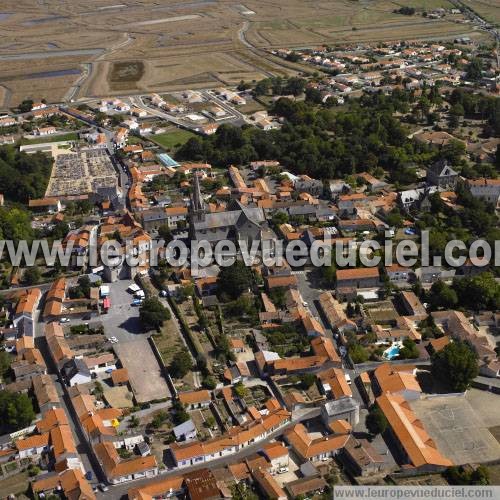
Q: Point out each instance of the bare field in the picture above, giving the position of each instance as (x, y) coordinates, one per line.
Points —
(182, 44)
(489, 9)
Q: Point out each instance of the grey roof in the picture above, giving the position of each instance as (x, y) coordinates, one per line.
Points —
(303, 210)
(153, 215)
(75, 366)
(224, 219)
(439, 168)
(183, 429)
(338, 406)
(224, 225)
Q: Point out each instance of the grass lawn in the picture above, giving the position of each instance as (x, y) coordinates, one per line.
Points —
(172, 140)
(70, 136)
(14, 485)
(168, 342)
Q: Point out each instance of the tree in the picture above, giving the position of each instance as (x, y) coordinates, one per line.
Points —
(409, 350)
(15, 224)
(376, 421)
(23, 176)
(32, 275)
(358, 353)
(262, 87)
(240, 390)
(165, 233)
(442, 295)
(293, 56)
(234, 280)
(458, 475)
(209, 382)
(481, 292)
(457, 364)
(159, 419)
(182, 364)
(307, 380)
(134, 421)
(180, 413)
(16, 411)
(474, 70)
(329, 274)
(5, 361)
(295, 86)
(25, 106)
(241, 491)
(153, 313)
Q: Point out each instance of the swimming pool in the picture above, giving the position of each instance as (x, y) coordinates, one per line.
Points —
(392, 352)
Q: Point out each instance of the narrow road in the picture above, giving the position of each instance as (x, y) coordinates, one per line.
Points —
(82, 446)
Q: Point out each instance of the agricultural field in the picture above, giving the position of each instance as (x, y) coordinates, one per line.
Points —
(63, 50)
(488, 9)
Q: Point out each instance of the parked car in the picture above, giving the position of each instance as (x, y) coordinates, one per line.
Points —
(137, 302)
(64, 320)
(113, 340)
(282, 470)
(103, 487)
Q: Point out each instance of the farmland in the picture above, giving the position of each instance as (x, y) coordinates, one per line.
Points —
(100, 48)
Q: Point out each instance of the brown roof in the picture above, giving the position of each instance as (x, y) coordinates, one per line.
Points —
(440, 343)
(306, 447)
(44, 202)
(301, 487)
(297, 364)
(357, 273)
(340, 427)
(28, 301)
(311, 324)
(156, 488)
(114, 467)
(239, 471)
(410, 432)
(93, 361)
(323, 346)
(194, 397)
(62, 440)
(45, 390)
(268, 484)
(275, 450)
(51, 419)
(335, 378)
(396, 378)
(281, 281)
(36, 441)
(72, 482)
(119, 376)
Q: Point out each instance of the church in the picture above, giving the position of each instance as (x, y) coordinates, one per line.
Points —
(238, 223)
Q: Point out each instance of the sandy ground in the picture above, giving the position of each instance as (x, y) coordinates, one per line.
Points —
(458, 426)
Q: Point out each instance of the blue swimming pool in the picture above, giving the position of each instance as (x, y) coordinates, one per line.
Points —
(392, 352)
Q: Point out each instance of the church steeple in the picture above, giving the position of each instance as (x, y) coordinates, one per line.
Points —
(197, 203)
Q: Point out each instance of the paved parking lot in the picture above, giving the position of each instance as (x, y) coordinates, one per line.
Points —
(122, 320)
